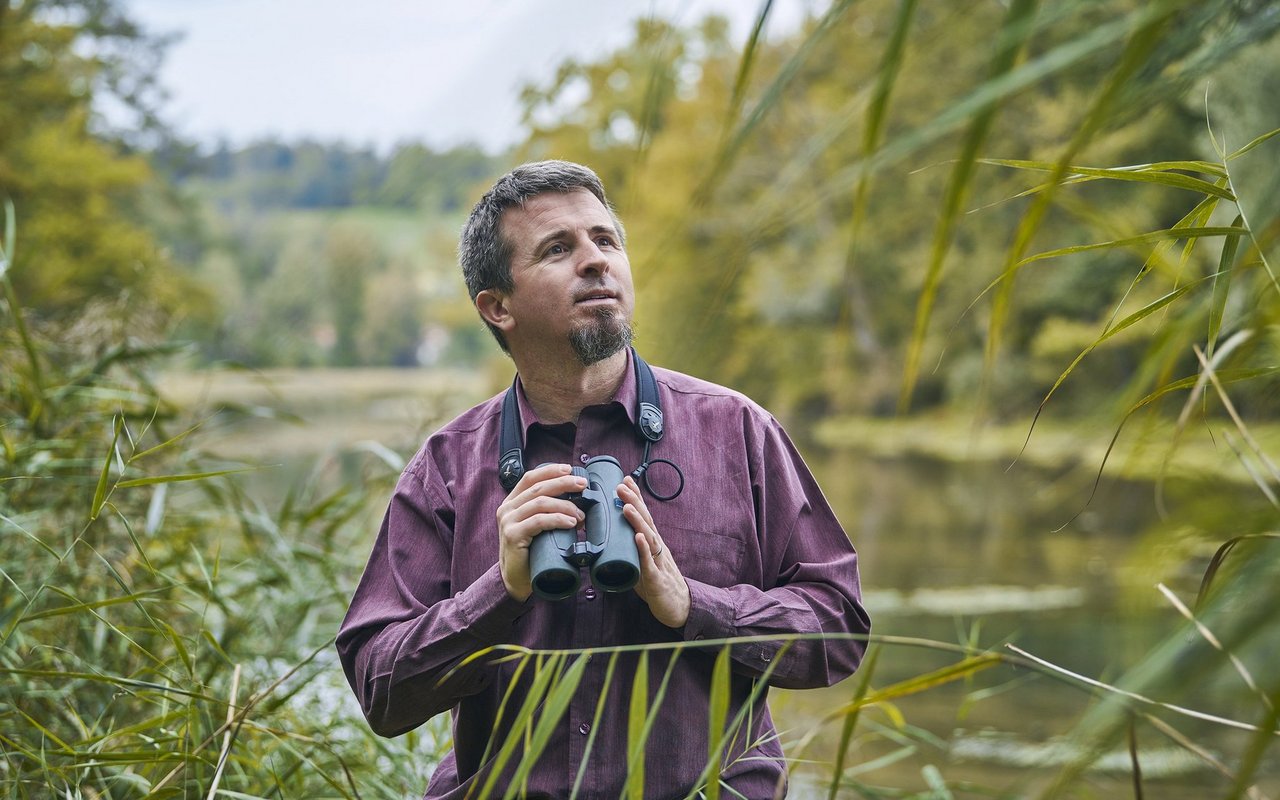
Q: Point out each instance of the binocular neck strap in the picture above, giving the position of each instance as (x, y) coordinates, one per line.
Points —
(648, 423)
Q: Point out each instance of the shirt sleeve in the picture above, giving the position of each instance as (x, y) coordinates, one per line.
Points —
(406, 634)
(811, 580)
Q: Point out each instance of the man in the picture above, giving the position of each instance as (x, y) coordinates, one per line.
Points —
(749, 548)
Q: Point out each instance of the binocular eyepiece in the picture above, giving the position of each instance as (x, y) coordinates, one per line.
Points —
(610, 547)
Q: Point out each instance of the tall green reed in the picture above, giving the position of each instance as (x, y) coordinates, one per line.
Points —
(162, 633)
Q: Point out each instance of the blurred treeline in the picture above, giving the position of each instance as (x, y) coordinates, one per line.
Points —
(796, 221)
(328, 254)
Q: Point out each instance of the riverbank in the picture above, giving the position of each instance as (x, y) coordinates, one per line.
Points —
(1146, 449)
(316, 410)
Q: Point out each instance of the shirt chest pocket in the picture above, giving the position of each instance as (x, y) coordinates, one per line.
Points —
(711, 558)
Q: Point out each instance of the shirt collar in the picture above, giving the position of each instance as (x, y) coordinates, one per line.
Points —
(625, 396)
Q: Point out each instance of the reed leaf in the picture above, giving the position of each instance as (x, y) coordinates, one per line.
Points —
(8, 249)
(152, 480)
(1160, 173)
(1222, 286)
(542, 679)
(772, 94)
(1109, 332)
(1131, 696)
(100, 491)
(777, 207)
(1143, 40)
(1219, 557)
(1259, 744)
(1230, 408)
(636, 716)
(1213, 641)
(1260, 140)
(595, 725)
(867, 670)
(745, 64)
(559, 695)
(717, 716)
(1009, 49)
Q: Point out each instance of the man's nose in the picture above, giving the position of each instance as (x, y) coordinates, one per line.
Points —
(593, 260)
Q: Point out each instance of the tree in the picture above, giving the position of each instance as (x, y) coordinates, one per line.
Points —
(77, 186)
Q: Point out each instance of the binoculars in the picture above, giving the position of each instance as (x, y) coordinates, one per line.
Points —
(610, 547)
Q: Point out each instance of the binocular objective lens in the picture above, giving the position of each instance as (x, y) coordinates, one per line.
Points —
(616, 576)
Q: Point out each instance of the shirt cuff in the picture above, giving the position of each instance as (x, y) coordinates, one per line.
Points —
(711, 612)
(487, 609)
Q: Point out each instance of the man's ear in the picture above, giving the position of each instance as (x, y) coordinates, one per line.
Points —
(493, 309)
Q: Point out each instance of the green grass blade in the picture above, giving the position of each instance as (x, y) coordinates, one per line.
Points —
(1256, 142)
(595, 724)
(1222, 287)
(1141, 43)
(190, 476)
(165, 444)
(745, 64)
(929, 680)
(772, 94)
(558, 699)
(717, 715)
(867, 669)
(1220, 556)
(1127, 322)
(542, 679)
(1149, 237)
(1011, 47)
(1159, 173)
(8, 248)
(778, 205)
(100, 492)
(636, 716)
(852, 292)
(1167, 234)
(1262, 740)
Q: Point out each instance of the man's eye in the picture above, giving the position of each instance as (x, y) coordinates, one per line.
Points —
(555, 250)
(604, 241)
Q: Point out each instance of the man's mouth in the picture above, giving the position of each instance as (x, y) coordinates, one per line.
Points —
(595, 296)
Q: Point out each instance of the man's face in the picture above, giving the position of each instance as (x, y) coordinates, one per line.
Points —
(572, 278)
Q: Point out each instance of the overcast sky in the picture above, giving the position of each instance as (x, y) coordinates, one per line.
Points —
(383, 71)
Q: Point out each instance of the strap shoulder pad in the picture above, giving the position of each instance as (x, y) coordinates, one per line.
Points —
(649, 422)
(511, 446)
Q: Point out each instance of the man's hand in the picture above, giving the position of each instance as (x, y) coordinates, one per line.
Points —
(661, 584)
(534, 505)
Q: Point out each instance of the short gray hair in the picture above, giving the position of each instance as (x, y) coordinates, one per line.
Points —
(483, 253)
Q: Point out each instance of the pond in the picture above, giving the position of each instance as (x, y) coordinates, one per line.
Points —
(960, 551)
(951, 552)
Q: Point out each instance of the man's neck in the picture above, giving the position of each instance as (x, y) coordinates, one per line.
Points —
(558, 392)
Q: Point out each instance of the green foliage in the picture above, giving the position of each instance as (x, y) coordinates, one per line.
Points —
(325, 255)
(161, 634)
(271, 174)
(80, 194)
(754, 217)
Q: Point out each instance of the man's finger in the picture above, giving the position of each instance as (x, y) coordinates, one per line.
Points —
(632, 490)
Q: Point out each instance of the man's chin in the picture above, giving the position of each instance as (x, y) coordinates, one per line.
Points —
(601, 339)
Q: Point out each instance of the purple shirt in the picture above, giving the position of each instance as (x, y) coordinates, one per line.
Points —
(759, 545)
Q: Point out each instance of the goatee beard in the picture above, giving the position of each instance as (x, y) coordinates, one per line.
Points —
(600, 338)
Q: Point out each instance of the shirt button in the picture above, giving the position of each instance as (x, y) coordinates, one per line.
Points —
(584, 728)
(584, 458)
(590, 593)
(765, 655)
